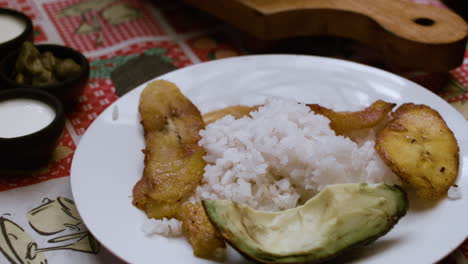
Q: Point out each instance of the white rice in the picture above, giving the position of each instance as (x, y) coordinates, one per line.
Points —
(281, 156)
(454, 193)
(164, 227)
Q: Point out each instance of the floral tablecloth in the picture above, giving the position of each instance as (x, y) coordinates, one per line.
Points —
(38, 219)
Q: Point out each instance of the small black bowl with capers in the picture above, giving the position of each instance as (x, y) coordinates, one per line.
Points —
(58, 70)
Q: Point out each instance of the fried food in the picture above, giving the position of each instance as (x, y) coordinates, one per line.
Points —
(237, 111)
(205, 240)
(344, 122)
(420, 148)
(174, 164)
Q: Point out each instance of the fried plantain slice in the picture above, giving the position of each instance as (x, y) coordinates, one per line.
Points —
(237, 111)
(344, 122)
(204, 238)
(174, 164)
(421, 149)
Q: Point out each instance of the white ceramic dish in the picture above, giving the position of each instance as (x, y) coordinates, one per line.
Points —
(109, 161)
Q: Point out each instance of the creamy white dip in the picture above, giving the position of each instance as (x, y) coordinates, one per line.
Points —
(10, 27)
(19, 117)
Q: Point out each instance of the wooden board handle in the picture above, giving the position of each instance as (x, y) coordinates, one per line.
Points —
(408, 35)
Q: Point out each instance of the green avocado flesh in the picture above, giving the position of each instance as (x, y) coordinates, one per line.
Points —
(337, 218)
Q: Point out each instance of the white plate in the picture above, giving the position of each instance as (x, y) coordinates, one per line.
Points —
(109, 161)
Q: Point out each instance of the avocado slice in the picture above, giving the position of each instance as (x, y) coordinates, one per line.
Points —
(337, 218)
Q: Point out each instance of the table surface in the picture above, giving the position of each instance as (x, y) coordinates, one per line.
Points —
(111, 33)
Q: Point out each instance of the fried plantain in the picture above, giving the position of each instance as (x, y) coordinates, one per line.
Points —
(174, 164)
(204, 238)
(344, 122)
(421, 149)
(237, 111)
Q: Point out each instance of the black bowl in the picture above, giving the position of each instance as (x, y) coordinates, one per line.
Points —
(67, 91)
(27, 35)
(33, 150)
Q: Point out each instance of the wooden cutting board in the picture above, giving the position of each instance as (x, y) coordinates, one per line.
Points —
(408, 35)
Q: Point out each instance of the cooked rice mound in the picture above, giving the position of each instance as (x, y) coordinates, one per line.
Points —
(281, 156)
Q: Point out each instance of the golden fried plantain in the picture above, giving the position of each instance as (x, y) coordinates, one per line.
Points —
(344, 122)
(237, 111)
(174, 164)
(420, 148)
(205, 240)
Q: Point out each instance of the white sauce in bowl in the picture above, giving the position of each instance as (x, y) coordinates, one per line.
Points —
(10, 27)
(19, 117)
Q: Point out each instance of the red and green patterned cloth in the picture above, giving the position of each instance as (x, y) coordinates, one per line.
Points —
(111, 33)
